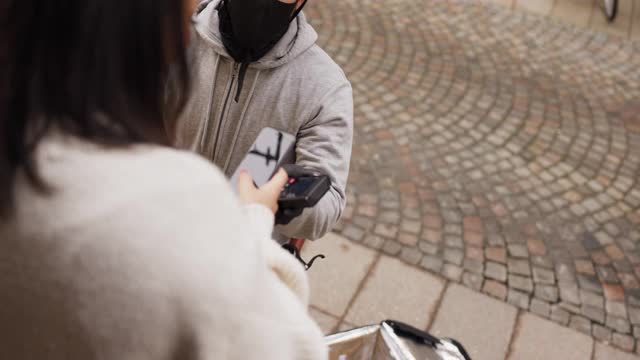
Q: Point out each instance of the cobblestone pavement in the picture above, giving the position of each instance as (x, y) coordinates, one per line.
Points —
(584, 13)
(499, 149)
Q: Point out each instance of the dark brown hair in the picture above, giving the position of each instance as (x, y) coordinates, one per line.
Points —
(96, 69)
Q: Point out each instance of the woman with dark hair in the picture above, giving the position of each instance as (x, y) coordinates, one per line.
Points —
(113, 246)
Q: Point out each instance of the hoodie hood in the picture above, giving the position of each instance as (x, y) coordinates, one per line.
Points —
(299, 37)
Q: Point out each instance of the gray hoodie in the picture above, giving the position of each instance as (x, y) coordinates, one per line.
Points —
(295, 88)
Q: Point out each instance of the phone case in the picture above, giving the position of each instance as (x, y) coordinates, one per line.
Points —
(271, 149)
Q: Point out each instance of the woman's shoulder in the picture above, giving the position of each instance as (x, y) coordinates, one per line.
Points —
(70, 161)
(171, 166)
(135, 176)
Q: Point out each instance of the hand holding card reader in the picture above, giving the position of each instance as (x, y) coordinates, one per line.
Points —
(304, 188)
(272, 150)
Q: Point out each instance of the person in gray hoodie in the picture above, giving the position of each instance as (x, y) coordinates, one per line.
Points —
(269, 72)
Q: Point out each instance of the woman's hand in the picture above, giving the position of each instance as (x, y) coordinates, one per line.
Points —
(267, 195)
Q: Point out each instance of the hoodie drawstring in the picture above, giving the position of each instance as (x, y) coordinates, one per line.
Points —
(243, 71)
(241, 120)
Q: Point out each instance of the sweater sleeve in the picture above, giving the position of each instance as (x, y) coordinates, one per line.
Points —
(283, 264)
(324, 144)
(268, 317)
(230, 291)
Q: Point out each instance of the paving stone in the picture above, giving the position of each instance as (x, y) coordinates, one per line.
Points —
(541, 261)
(519, 267)
(389, 217)
(521, 283)
(453, 256)
(633, 297)
(415, 295)
(590, 283)
(453, 229)
(607, 274)
(364, 222)
(335, 282)
(410, 226)
(453, 241)
(600, 258)
(497, 254)
(591, 299)
(387, 231)
(543, 276)
(410, 255)
(624, 342)
(428, 248)
(367, 210)
(538, 339)
(496, 240)
(353, 232)
(585, 267)
(560, 315)
(432, 236)
(471, 280)
(581, 324)
(391, 247)
(408, 239)
(540, 307)
(495, 289)
(593, 313)
(495, 271)
(536, 247)
(432, 263)
(518, 298)
(620, 325)
(603, 238)
(475, 239)
(613, 292)
(483, 324)
(614, 252)
(601, 333)
(634, 315)
(590, 242)
(604, 352)
(518, 251)
(452, 272)
(616, 308)
(546, 292)
(570, 294)
(565, 274)
(473, 265)
(373, 241)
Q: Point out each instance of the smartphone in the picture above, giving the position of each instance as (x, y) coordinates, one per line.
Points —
(271, 149)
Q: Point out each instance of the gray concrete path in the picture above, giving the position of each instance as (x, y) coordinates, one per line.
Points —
(356, 286)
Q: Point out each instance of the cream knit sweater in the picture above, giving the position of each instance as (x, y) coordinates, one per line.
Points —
(143, 253)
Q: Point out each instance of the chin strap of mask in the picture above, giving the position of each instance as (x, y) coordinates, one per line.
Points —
(297, 12)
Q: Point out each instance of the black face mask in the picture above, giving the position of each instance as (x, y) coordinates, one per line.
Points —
(250, 28)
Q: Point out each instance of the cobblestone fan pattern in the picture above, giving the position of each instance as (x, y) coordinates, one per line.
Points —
(499, 149)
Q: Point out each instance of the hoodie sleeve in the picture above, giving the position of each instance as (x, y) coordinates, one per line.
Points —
(324, 144)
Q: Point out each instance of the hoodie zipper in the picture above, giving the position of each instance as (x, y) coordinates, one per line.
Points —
(225, 105)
